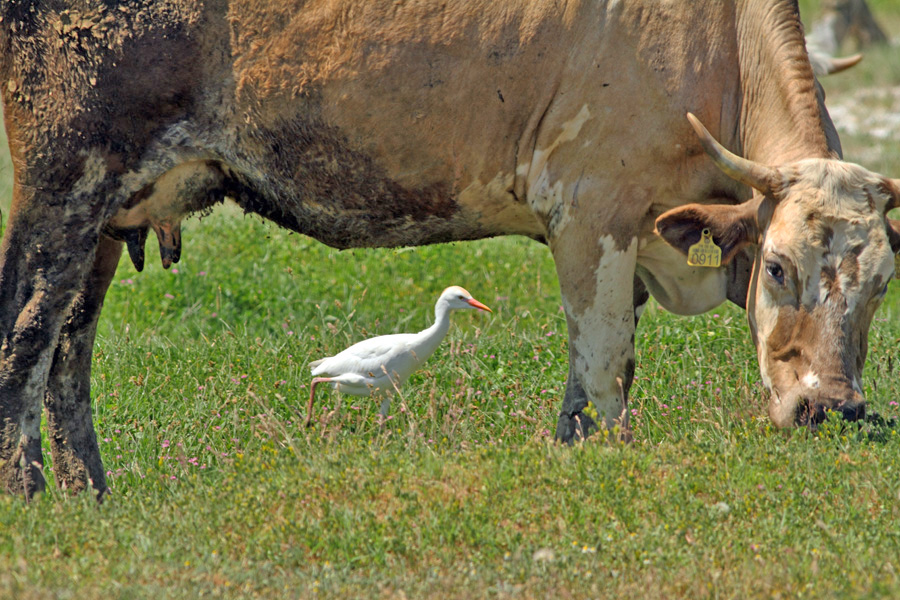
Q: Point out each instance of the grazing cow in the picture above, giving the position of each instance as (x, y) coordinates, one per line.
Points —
(366, 123)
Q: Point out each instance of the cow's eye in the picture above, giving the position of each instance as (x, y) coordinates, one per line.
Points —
(775, 272)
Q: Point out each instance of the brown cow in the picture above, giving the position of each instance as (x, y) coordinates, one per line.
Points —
(367, 123)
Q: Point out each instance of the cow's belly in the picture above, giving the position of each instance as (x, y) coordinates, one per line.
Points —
(345, 198)
(680, 288)
(309, 177)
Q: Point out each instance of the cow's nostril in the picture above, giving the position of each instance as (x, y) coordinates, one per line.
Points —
(853, 413)
(810, 414)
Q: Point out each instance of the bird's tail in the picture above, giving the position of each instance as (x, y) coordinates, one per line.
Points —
(316, 363)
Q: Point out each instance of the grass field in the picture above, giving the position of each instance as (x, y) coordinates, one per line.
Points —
(200, 382)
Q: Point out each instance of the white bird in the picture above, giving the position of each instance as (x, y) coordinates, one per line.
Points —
(382, 363)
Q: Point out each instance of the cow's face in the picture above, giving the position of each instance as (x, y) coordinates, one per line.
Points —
(824, 257)
(822, 268)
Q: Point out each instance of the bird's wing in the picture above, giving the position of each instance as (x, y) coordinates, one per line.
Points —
(316, 363)
(367, 356)
(352, 379)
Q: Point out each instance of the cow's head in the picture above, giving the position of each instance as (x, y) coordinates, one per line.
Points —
(824, 256)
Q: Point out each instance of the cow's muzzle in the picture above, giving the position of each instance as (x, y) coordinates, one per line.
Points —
(811, 414)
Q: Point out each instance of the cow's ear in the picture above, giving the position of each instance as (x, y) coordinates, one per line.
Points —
(732, 226)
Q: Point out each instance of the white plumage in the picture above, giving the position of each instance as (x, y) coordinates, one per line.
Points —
(382, 363)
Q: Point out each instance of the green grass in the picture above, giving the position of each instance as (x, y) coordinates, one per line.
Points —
(217, 488)
(200, 382)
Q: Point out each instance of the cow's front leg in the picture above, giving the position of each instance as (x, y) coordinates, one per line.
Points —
(47, 249)
(73, 442)
(602, 299)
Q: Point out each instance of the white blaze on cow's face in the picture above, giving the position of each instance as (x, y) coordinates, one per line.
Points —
(822, 269)
(824, 257)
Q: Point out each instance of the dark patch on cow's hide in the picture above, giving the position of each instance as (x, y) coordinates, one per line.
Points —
(199, 193)
(640, 295)
(629, 378)
(108, 77)
(152, 84)
(849, 267)
(141, 195)
(870, 200)
(793, 329)
(893, 231)
(320, 186)
(740, 271)
(828, 280)
(507, 46)
(826, 235)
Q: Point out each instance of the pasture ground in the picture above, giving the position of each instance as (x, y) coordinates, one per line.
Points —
(200, 382)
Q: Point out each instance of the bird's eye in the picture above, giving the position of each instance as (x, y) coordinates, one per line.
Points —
(775, 272)
(884, 290)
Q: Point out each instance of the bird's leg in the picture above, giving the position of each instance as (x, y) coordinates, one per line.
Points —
(386, 403)
(385, 406)
(312, 392)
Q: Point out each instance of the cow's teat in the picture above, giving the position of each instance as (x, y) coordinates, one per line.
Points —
(190, 187)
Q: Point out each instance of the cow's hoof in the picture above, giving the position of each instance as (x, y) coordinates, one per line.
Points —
(574, 428)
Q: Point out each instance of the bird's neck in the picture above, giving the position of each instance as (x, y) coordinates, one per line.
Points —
(431, 337)
(441, 324)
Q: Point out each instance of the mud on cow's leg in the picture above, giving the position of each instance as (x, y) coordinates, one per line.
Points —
(73, 441)
(48, 247)
(603, 299)
(573, 423)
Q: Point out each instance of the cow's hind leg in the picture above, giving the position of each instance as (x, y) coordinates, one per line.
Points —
(602, 298)
(47, 249)
(73, 442)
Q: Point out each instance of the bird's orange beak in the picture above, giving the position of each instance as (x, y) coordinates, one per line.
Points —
(476, 304)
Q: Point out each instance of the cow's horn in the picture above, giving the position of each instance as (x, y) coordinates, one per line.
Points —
(829, 65)
(755, 175)
(134, 240)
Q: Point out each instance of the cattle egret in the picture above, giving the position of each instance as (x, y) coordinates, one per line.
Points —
(382, 363)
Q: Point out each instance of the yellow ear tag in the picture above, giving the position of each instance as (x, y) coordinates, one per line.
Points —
(705, 253)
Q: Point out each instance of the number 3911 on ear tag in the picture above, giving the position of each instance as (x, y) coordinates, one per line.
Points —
(705, 253)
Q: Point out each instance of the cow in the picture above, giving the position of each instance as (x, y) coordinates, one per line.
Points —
(366, 124)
